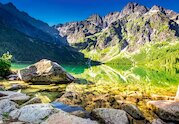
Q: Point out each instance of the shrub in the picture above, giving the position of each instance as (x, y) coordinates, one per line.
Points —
(5, 64)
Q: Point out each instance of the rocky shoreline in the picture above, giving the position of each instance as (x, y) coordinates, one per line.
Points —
(75, 105)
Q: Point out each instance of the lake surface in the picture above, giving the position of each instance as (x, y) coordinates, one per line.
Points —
(161, 80)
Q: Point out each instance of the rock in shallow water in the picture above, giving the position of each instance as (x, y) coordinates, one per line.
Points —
(17, 87)
(133, 111)
(166, 110)
(110, 116)
(14, 96)
(66, 108)
(65, 118)
(12, 77)
(33, 113)
(32, 101)
(7, 106)
(74, 110)
(71, 98)
(45, 72)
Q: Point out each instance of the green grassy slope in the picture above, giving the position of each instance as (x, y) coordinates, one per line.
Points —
(158, 54)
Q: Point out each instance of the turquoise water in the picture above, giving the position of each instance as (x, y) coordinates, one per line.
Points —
(167, 78)
(19, 65)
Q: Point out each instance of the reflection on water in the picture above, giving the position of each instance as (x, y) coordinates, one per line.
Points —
(139, 76)
(122, 74)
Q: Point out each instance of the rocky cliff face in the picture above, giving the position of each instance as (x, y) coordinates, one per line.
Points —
(131, 28)
(77, 31)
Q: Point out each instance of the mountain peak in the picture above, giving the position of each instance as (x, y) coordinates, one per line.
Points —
(10, 4)
(133, 7)
(167, 12)
(131, 4)
(157, 8)
(95, 19)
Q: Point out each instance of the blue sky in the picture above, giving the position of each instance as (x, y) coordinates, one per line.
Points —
(61, 11)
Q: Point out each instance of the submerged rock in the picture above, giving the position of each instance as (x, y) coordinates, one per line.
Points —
(33, 113)
(66, 108)
(74, 110)
(71, 98)
(45, 72)
(110, 116)
(17, 87)
(33, 101)
(65, 118)
(13, 77)
(166, 110)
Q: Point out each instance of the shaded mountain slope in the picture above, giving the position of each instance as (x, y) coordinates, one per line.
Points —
(22, 22)
(28, 49)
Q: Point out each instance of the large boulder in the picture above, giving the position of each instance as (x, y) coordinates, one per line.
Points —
(34, 113)
(45, 71)
(166, 110)
(110, 116)
(65, 118)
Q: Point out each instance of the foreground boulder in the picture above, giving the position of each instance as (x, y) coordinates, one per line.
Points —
(110, 116)
(35, 113)
(166, 110)
(45, 71)
(65, 118)
(14, 96)
(6, 106)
